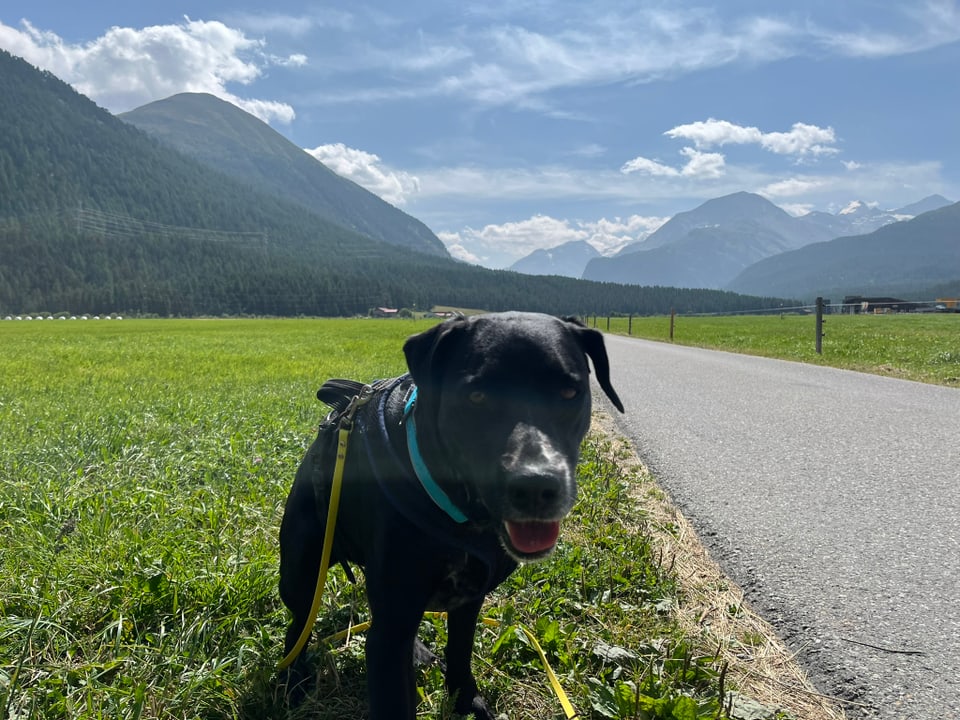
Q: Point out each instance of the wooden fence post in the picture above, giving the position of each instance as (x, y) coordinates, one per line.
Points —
(819, 326)
(673, 314)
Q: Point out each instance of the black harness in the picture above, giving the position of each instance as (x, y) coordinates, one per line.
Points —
(400, 484)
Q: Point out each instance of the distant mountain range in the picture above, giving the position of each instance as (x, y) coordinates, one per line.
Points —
(568, 260)
(899, 258)
(226, 138)
(715, 243)
(708, 246)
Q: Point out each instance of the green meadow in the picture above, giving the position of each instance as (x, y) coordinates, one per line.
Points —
(143, 471)
(912, 346)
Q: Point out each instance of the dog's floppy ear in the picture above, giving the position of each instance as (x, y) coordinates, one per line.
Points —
(591, 341)
(423, 350)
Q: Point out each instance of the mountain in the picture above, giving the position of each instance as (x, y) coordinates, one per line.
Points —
(96, 215)
(901, 257)
(223, 136)
(931, 202)
(857, 218)
(708, 246)
(740, 209)
(568, 260)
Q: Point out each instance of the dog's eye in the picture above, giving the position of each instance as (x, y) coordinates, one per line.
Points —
(478, 397)
(568, 393)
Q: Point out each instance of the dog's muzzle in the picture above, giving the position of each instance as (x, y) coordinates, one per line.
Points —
(539, 490)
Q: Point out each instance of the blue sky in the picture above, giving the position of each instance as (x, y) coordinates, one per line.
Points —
(509, 126)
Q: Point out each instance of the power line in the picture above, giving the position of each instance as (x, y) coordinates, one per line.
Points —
(119, 226)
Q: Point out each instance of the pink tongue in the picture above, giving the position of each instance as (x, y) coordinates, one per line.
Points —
(533, 536)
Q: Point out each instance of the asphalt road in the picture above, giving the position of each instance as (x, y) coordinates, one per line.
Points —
(832, 497)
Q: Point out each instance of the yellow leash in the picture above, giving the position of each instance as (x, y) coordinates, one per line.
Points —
(343, 438)
(561, 695)
(346, 426)
(568, 709)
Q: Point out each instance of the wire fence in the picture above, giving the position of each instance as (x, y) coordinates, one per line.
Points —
(865, 305)
(852, 305)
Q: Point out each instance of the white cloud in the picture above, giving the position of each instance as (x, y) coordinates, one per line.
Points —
(648, 167)
(923, 25)
(890, 184)
(608, 236)
(590, 150)
(292, 25)
(711, 133)
(500, 245)
(517, 54)
(801, 139)
(514, 240)
(792, 187)
(128, 67)
(699, 165)
(797, 209)
(456, 249)
(366, 169)
(295, 60)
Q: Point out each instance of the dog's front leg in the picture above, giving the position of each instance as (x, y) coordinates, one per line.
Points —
(391, 684)
(461, 629)
(397, 604)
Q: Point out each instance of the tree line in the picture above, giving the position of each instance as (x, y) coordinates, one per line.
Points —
(51, 265)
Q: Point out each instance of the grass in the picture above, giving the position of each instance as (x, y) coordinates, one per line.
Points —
(142, 477)
(922, 347)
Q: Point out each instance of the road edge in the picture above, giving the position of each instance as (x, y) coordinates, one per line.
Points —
(713, 611)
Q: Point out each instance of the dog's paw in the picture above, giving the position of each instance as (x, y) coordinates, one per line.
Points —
(477, 709)
(296, 682)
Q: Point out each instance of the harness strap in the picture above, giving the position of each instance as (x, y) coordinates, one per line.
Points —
(393, 468)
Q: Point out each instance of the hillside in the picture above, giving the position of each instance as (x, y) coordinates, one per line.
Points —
(708, 246)
(901, 257)
(232, 141)
(60, 153)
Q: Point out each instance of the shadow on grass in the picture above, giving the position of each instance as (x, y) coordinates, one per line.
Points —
(320, 687)
(331, 686)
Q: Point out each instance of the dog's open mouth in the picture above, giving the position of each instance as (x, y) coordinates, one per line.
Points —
(533, 537)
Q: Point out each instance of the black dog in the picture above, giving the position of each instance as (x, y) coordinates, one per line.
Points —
(456, 473)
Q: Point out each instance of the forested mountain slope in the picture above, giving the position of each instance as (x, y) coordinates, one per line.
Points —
(228, 139)
(897, 258)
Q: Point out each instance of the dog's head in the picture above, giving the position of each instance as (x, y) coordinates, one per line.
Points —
(504, 403)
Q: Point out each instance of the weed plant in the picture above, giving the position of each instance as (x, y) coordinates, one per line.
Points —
(143, 471)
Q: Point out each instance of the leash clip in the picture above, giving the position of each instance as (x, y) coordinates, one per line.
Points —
(356, 402)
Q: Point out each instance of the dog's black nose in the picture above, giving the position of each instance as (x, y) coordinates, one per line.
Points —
(535, 495)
